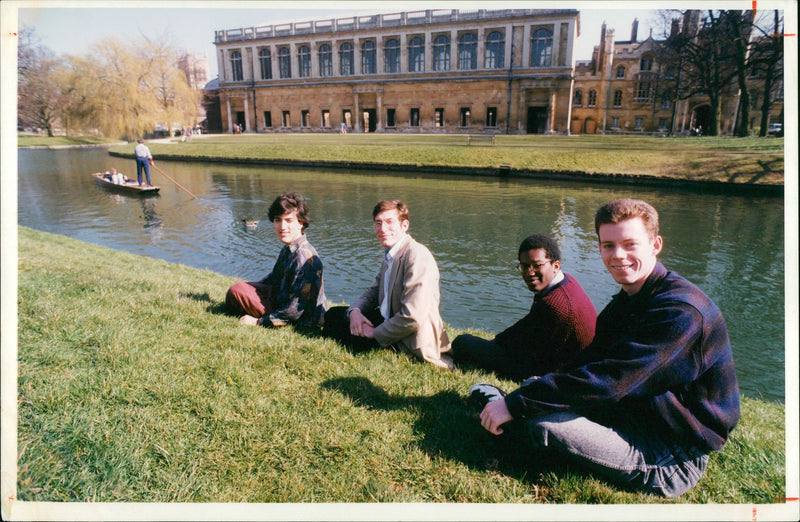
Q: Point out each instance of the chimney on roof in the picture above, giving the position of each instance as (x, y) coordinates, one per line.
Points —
(634, 29)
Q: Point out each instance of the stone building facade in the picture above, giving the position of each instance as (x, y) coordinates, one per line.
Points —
(484, 71)
(625, 89)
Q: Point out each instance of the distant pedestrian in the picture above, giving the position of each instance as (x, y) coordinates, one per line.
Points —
(343, 128)
(143, 161)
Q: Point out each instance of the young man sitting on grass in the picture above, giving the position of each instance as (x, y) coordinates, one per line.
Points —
(294, 291)
(656, 390)
(559, 324)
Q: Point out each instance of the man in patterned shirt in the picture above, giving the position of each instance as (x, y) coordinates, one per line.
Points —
(656, 390)
(293, 292)
(559, 325)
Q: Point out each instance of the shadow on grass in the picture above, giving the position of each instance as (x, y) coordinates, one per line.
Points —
(214, 307)
(449, 426)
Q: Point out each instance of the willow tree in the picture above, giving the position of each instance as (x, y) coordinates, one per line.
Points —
(125, 90)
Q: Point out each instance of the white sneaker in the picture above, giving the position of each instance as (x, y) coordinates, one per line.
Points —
(483, 393)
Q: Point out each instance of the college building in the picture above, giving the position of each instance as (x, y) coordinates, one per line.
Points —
(510, 71)
(424, 71)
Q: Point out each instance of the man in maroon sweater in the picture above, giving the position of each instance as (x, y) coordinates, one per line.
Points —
(559, 325)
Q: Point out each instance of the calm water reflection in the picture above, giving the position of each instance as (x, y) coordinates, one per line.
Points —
(731, 246)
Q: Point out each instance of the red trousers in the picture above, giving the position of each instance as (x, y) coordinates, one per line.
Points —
(248, 298)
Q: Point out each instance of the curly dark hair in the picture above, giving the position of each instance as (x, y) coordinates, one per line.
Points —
(537, 241)
(290, 202)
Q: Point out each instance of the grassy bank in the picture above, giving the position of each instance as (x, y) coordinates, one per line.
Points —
(135, 386)
(36, 140)
(746, 161)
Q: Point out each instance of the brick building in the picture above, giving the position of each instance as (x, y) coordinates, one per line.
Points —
(625, 88)
(423, 71)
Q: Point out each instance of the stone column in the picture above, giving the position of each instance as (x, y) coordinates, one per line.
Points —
(357, 116)
(481, 47)
(293, 63)
(403, 52)
(222, 65)
(379, 55)
(556, 58)
(552, 116)
(509, 40)
(428, 52)
(526, 45)
(230, 116)
(335, 57)
(246, 113)
(379, 111)
(314, 50)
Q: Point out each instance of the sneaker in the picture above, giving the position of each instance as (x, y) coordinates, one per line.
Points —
(483, 393)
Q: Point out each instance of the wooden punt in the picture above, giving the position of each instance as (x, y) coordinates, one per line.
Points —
(131, 187)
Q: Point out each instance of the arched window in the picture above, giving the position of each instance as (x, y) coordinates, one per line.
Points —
(284, 62)
(368, 57)
(592, 99)
(646, 64)
(265, 60)
(620, 72)
(495, 50)
(441, 53)
(303, 61)
(416, 54)
(542, 48)
(325, 60)
(467, 51)
(577, 98)
(617, 98)
(346, 66)
(391, 50)
(236, 66)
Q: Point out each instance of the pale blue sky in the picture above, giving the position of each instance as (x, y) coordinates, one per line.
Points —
(191, 25)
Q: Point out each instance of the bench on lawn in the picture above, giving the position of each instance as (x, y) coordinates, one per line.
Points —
(477, 139)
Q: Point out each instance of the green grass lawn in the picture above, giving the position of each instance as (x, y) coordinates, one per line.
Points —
(753, 161)
(135, 386)
(36, 140)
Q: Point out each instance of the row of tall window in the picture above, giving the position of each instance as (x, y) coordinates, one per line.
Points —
(391, 117)
(466, 56)
(644, 92)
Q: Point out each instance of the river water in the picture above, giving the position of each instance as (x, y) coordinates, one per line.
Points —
(732, 246)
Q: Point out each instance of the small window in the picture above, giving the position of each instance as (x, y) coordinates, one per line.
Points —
(438, 117)
(305, 119)
(347, 118)
(414, 117)
(665, 100)
(617, 98)
(662, 124)
(441, 53)
(267, 119)
(646, 64)
(468, 51)
(390, 117)
(592, 98)
(638, 122)
(491, 116)
(615, 122)
(577, 99)
(326, 119)
(463, 117)
(287, 119)
(620, 72)
(541, 48)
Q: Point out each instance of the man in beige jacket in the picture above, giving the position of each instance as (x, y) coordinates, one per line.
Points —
(401, 308)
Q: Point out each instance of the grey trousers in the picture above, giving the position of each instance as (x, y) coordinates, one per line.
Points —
(630, 455)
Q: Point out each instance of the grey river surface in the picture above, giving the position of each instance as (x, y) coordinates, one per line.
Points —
(732, 246)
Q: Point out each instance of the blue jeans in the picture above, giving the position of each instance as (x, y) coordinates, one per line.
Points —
(629, 455)
(142, 163)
